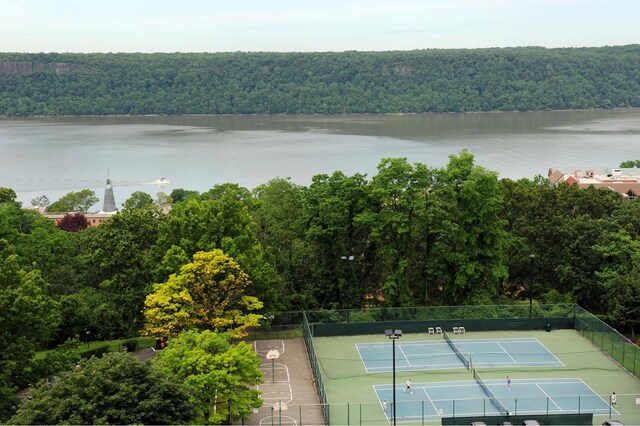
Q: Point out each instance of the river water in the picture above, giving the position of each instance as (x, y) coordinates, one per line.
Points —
(52, 156)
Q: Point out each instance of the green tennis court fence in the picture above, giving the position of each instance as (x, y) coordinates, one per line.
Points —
(621, 349)
(371, 413)
(315, 368)
(477, 317)
(440, 313)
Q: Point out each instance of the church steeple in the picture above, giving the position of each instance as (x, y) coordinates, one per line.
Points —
(109, 205)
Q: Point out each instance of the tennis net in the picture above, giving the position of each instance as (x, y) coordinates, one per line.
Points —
(494, 400)
(463, 358)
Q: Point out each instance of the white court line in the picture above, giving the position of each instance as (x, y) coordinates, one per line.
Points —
(598, 395)
(506, 352)
(550, 353)
(277, 399)
(362, 359)
(267, 347)
(433, 355)
(435, 409)
(270, 420)
(277, 367)
(465, 341)
(549, 397)
(405, 357)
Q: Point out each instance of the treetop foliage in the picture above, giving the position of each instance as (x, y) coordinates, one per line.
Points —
(230, 258)
(221, 377)
(208, 293)
(431, 80)
(114, 389)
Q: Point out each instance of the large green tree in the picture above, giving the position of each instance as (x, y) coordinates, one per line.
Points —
(469, 239)
(623, 298)
(116, 263)
(331, 204)
(80, 201)
(220, 219)
(28, 319)
(397, 217)
(221, 377)
(208, 293)
(279, 213)
(7, 195)
(114, 389)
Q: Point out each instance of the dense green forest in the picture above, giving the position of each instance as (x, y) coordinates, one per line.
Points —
(410, 235)
(499, 79)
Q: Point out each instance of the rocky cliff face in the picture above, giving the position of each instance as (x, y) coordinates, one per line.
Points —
(29, 67)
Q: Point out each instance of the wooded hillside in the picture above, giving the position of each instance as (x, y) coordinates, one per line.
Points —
(500, 79)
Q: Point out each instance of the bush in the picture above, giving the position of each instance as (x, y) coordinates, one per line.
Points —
(130, 345)
(97, 352)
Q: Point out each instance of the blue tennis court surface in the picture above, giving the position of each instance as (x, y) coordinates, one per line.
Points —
(436, 355)
(432, 401)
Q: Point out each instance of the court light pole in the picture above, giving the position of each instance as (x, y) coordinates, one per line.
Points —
(393, 335)
(531, 257)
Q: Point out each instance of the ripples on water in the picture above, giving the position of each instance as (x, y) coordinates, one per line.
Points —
(53, 156)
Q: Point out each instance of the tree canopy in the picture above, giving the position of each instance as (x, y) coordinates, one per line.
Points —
(208, 293)
(28, 319)
(80, 201)
(221, 376)
(230, 258)
(114, 389)
(430, 80)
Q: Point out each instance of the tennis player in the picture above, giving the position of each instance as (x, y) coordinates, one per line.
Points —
(409, 384)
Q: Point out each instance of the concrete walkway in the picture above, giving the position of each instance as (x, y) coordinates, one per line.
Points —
(289, 392)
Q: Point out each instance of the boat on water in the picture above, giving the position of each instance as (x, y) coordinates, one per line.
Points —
(162, 181)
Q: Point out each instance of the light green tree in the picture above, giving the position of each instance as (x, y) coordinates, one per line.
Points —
(208, 293)
(221, 377)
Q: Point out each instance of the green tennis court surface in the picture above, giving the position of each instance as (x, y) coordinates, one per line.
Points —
(436, 355)
(430, 401)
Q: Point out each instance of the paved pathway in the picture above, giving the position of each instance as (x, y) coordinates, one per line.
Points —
(289, 392)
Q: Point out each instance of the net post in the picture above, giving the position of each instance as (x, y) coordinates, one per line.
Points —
(547, 406)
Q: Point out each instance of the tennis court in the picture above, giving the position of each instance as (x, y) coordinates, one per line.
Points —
(432, 400)
(458, 353)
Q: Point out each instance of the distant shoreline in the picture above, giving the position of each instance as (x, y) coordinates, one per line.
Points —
(313, 115)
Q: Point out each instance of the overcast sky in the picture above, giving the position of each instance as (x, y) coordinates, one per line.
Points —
(326, 25)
